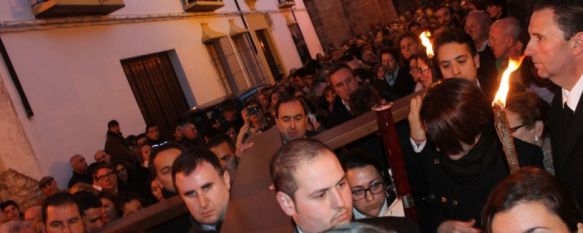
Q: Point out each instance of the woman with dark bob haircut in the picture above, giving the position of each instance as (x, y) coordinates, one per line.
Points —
(463, 160)
(531, 200)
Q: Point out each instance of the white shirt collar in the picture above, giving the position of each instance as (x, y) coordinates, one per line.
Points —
(358, 215)
(483, 46)
(571, 97)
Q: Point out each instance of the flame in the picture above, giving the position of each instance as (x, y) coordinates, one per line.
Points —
(424, 36)
(502, 92)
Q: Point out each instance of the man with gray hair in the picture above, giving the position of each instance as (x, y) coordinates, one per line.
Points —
(478, 26)
(504, 40)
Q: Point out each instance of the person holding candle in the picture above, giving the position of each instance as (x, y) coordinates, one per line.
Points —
(556, 49)
(465, 160)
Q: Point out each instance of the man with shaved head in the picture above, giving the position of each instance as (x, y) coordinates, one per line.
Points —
(478, 26)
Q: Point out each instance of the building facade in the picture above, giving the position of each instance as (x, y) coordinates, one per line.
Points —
(66, 72)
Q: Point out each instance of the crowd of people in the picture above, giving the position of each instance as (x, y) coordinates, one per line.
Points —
(456, 165)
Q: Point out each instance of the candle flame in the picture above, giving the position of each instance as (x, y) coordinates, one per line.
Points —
(502, 92)
(424, 36)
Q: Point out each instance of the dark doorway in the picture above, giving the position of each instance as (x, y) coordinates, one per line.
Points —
(156, 89)
(265, 45)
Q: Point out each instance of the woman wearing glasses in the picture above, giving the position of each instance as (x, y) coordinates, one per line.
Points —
(369, 193)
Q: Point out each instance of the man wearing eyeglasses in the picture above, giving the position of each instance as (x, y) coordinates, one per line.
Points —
(105, 177)
(369, 194)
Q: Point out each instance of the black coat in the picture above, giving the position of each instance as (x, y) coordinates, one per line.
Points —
(567, 146)
(458, 190)
(338, 115)
(488, 73)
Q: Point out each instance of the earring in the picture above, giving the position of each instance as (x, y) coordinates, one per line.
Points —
(536, 139)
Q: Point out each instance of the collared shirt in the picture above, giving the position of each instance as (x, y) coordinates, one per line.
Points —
(346, 105)
(571, 97)
(392, 78)
(483, 46)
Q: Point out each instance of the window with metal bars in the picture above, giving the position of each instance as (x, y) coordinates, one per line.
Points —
(247, 55)
(225, 62)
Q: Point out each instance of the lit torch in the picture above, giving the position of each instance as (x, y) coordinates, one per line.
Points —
(424, 36)
(500, 119)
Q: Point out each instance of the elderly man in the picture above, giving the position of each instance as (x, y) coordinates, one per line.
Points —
(478, 26)
(556, 48)
(504, 40)
(311, 186)
(80, 173)
(204, 186)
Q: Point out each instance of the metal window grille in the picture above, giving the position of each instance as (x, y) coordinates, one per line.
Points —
(251, 64)
(225, 62)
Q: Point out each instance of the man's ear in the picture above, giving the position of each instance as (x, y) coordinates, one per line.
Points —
(577, 41)
(227, 179)
(286, 203)
(539, 128)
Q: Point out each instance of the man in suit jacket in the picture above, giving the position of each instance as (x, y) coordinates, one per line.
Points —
(556, 48)
(344, 83)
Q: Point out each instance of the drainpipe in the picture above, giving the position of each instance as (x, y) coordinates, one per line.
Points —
(246, 27)
(14, 77)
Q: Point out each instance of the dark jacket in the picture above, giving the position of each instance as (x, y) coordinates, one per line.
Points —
(488, 73)
(338, 115)
(116, 146)
(80, 178)
(458, 189)
(567, 145)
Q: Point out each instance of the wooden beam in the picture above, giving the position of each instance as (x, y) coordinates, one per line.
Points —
(252, 207)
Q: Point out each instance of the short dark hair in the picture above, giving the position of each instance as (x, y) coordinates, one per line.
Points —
(448, 125)
(150, 126)
(532, 185)
(289, 99)
(87, 200)
(336, 67)
(568, 14)
(100, 166)
(393, 52)
(159, 148)
(285, 161)
(58, 199)
(357, 158)
(454, 36)
(5, 204)
(112, 123)
(220, 139)
(190, 159)
(124, 198)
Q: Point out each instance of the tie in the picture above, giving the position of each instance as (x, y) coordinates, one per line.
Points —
(568, 113)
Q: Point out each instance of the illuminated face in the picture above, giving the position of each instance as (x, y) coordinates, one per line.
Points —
(551, 54)
(408, 47)
(292, 121)
(163, 164)
(531, 216)
(323, 199)
(226, 156)
(156, 189)
(205, 193)
(107, 179)
(424, 73)
(65, 218)
(456, 61)
(498, 41)
(343, 83)
(368, 189)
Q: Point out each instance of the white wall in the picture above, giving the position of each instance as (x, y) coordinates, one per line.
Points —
(75, 82)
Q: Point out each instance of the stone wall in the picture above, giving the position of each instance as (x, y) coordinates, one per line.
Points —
(19, 188)
(337, 20)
